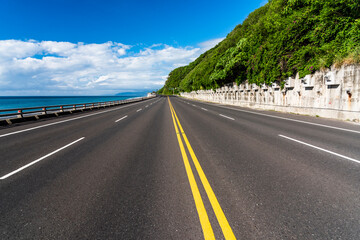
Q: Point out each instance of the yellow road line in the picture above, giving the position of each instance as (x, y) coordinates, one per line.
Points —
(204, 219)
(223, 222)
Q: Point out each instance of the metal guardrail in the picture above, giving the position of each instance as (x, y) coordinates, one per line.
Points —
(16, 113)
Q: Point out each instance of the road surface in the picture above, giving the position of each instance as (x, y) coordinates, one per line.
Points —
(171, 168)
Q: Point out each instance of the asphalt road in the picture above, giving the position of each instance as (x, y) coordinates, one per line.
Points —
(180, 169)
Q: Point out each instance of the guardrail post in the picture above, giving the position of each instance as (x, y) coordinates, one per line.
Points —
(20, 114)
(44, 111)
(84, 106)
(74, 107)
(61, 109)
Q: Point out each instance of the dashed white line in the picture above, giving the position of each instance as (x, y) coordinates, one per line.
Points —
(194, 105)
(290, 119)
(227, 117)
(139, 110)
(204, 109)
(38, 160)
(121, 118)
(146, 106)
(321, 149)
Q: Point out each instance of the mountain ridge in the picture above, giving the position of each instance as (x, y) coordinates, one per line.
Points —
(277, 41)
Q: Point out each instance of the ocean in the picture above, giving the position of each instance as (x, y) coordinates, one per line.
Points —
(24, 102)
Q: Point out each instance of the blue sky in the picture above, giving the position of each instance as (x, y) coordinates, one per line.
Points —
(92, 47)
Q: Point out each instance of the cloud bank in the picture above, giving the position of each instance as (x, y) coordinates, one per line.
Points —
(210, 43)
(64, 68)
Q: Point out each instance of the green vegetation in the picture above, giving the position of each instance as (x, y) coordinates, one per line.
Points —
(275, 42)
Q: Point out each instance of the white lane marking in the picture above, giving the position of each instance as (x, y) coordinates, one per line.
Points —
(294, 120)
(146, 106)
(204, 109)
(139, 110)
(121, 119)
(227, 117)
(194, 105)
(67, 120)
(321, 149)
(38, 160)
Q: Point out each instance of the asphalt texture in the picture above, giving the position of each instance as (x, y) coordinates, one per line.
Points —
(119, 173)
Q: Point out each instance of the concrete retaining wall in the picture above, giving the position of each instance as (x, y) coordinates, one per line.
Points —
(332, 93)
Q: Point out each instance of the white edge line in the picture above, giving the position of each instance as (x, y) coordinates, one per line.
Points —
(227, 117)
(204, 109)
(289, 119)
(139, 110)
(38, 160)
(322, 149)
(67, 120)
(121, 118)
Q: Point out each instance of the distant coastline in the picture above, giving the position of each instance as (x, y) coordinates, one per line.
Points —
(133, 94)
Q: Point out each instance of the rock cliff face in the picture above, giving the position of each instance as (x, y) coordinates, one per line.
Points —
(332, 93)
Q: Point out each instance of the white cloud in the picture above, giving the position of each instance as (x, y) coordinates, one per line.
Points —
(17, 49)
(210, 43)
(64, 68)
(263, 3)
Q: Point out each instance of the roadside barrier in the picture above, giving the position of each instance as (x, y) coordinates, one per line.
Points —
(9, 116)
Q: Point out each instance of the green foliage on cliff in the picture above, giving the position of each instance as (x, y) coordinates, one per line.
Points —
(275, 42)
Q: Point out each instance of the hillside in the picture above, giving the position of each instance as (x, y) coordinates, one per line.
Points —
(275, 42)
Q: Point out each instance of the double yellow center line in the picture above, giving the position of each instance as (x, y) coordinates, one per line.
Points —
(203, 216)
